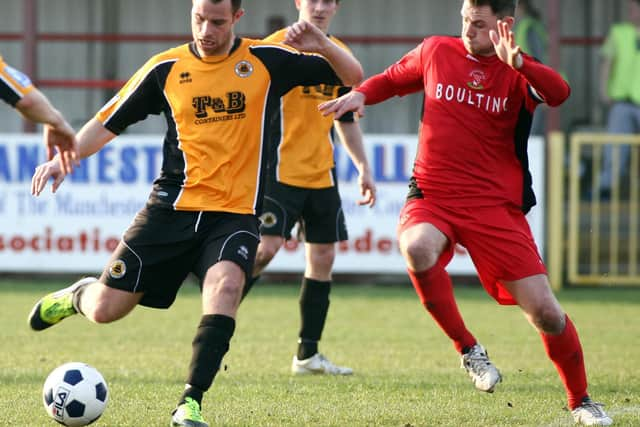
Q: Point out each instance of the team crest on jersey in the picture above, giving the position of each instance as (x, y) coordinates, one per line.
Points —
(117, 269)
(268, 219)
(477, 77)
(244, 69)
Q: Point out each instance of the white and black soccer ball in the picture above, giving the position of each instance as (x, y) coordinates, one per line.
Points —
(75, 394)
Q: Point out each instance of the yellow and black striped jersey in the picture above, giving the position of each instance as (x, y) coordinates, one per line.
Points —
(302, 148)
(13, 84)
(217, 110)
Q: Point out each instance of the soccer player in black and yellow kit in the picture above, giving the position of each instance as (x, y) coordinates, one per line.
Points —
(17, 90)
(302, 188)
(217, 93)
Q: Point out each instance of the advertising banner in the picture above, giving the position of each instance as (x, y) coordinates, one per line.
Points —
(76, 229)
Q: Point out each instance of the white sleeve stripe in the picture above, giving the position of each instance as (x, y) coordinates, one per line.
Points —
(535, 94)
(290, 50)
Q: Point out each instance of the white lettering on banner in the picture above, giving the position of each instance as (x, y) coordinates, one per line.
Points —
(76, 229)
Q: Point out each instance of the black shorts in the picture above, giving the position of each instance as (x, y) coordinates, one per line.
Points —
(162, 246)
(319, 212)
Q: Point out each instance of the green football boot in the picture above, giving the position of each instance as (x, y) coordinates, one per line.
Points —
(54, 307)
(188, 415)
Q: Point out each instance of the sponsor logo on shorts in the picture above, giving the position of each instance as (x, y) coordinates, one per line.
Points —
(117, 269)
(404, 218)
(243, 252)
(268, 219)
(244, 69)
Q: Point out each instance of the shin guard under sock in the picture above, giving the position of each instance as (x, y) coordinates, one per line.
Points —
(565, 352)
(435, 290)
(210, 345)
(314, 305)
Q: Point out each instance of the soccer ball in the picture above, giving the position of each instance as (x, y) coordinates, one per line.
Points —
(75, 394)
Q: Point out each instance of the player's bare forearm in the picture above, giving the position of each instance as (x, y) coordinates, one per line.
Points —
(351, 137)
(346, 66)
(35, 107)
(92, 137)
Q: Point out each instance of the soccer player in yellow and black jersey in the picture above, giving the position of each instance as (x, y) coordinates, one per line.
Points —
(217, 94)
(17, 90)
(302, 188)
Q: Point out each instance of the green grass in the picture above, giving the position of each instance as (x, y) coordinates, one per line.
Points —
(407, 373)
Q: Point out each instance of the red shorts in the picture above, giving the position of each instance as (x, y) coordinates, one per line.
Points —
(498, 239)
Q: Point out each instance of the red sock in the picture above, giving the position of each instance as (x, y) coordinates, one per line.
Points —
(565, 352)
(436, 294)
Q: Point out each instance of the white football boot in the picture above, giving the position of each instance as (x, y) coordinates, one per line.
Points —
(317, 364)
(590, 413)
(483, 373)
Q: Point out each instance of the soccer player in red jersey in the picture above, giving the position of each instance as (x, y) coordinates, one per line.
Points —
(471, 184)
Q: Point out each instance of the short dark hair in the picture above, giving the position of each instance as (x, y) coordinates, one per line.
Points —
(235, 4)
(500, 8)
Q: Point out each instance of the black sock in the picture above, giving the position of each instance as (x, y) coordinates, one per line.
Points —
(314, 305)
(248, 286)
(306, 348)
(193, 392)
(210, 345)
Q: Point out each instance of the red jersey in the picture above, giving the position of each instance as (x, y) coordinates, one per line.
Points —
(475, 126)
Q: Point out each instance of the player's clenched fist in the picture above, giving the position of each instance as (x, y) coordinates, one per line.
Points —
(306, 37)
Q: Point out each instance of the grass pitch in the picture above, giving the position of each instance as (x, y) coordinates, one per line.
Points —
(406, 371)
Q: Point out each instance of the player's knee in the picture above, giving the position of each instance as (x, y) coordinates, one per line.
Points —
(322, 259)
(228, 288)
(549, 320)
(418, 254)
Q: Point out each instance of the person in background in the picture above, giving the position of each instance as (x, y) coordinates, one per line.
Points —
(620, 89)
(531, 35)
(17, 90)
(216, 94)
(471, 185)
(302, 188)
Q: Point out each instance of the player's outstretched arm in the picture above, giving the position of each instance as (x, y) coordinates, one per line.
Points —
(91, 138)
(58, 134)
(352, 101)
(306, 37)
(547, 82)
(351, 137)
